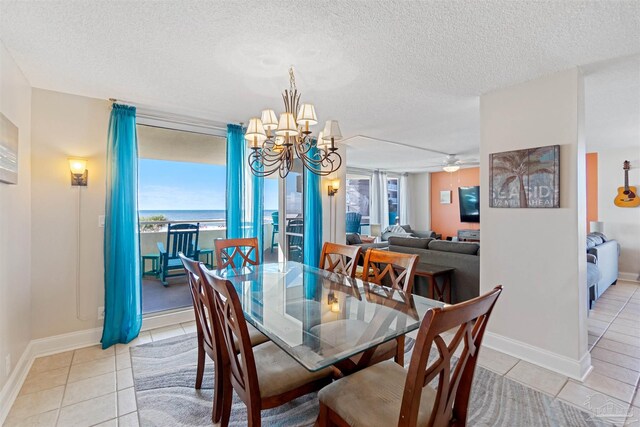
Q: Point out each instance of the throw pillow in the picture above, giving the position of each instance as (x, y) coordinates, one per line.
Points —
(396, 229)
(353, 239)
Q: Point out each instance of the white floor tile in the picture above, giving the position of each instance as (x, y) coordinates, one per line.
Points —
(615, 358)
(89, 388)
(36, 403)
(124, 378)
(189, 327)
(616, 372)
(496, 361)
(46, 419)
(89, 412)
(126, 401)
(94, 368)
(129, 420)
(143, 338)
(123, 361)
(610, 386)
(166, 332)
(619, 347)
(89, 354)
(38, 381)
(590, 400)
(537, 377)
(54, 361)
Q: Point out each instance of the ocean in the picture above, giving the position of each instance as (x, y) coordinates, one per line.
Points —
(186, 215)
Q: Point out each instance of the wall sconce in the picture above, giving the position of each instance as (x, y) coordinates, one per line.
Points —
(333, 303)
(79, 172)
(334, 186)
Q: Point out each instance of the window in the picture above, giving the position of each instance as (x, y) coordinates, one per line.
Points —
(392, 193)
(358, 193)
(294, 212)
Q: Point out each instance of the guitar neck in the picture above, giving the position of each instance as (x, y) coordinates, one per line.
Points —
(626, 180)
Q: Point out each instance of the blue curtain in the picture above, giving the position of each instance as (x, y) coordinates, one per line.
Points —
(257, 214)
(122, 285)
(312, 216)
(235, 181)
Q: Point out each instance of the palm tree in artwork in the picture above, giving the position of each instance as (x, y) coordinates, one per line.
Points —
(516, 165)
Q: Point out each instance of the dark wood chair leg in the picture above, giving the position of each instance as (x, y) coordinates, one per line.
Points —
(399, 358)
(323, 416)
(201, 359)
(218, 396)
(254, 419)
(227, 399)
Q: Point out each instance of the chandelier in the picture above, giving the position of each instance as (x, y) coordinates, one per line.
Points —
(275, 143)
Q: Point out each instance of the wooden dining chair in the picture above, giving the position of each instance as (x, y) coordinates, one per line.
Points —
(231, 251)
(263, 376)
(397, 271)
(342, 259)
(394, 269)
(208, 333)
(389, 395)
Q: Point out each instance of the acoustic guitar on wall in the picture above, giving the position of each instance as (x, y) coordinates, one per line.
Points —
(628, 195)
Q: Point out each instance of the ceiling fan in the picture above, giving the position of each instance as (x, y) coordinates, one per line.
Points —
(452, 163)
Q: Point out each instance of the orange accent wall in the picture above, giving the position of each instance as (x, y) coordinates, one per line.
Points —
(592, 188)
(445, 219)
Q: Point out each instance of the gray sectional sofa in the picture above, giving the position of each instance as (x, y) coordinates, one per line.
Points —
(606, 253)
(464, 257)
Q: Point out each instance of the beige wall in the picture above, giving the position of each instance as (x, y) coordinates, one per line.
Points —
(420, 187)
(538, 254)
(15, 222)
(622, 224)
(336, 204)
(65, 126)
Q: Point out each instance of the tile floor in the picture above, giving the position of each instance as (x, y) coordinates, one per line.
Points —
(92, 387)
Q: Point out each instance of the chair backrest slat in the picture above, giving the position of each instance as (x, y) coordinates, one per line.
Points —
(230, 251)
(454, 383)
(342, 259)
(182, 238)
(393, 269)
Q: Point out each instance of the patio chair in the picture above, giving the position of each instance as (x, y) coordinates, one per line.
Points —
(180, 238)
(295, 236)
(353, 222)
(274, 230)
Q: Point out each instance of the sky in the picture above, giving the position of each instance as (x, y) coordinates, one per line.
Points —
(170, 185)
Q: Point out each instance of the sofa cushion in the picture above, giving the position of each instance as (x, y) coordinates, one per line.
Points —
(602, 236)
(407, 228)
(456, 247)
(593, 240)
(410, 242)
(353, 239)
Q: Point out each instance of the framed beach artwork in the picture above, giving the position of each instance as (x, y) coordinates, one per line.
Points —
(527, 178)
(8, 151)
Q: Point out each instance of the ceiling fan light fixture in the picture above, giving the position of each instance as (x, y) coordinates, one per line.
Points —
(451, 168)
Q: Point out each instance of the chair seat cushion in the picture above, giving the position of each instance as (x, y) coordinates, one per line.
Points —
(255, 336)
(373, 396)
(278, 372)
(353, 331)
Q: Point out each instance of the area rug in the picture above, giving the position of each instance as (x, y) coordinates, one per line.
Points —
(164, 375)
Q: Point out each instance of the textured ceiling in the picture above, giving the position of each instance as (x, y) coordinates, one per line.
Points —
(403, 71)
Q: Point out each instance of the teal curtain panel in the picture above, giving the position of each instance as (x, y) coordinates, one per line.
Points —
(312, 215)
(235, 181)
(122, 283)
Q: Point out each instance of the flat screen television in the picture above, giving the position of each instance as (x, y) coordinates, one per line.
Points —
(469, 204)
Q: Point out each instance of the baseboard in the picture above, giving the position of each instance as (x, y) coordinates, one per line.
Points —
(631, 277)
(71, 341)
(572, 368)
(167, 319)
(14, 383)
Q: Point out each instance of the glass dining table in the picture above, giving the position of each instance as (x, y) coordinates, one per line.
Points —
(320, 318)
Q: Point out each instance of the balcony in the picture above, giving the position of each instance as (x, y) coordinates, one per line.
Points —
(155, 296)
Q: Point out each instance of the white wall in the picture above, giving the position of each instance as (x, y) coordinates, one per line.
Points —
(334, 208)
(622, 224)
(67, 126)
(15, 222)
(420, 195)
(538, 254)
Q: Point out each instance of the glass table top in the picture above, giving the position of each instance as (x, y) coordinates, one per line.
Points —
(319, 317)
